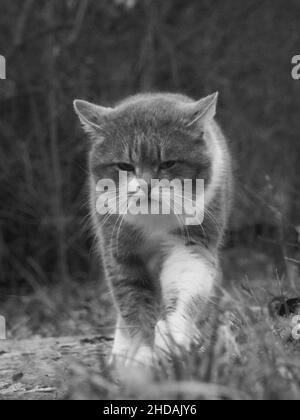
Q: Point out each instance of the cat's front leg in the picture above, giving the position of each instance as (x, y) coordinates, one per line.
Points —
(188, 278)
(129, 349)
(122, 343)
(137, 304)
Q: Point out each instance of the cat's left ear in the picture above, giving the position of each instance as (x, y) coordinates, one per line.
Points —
(202, 112)
(91, 116)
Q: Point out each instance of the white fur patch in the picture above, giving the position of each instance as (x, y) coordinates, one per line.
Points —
(187, 273)
(122, 342)
(189, 279)
(130, 351)
(218, 165)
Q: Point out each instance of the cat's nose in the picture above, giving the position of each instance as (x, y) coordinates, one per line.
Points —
(145, 187)
(137, 185)
(146, 176)
(145, 179)
(149, 192)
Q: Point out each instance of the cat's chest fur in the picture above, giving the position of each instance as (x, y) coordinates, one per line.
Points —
(158, 238)
(156, 228)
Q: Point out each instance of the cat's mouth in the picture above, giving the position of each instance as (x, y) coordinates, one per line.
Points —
(132, 194)
(150, 201)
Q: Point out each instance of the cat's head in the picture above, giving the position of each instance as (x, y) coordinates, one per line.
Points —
(150, 137)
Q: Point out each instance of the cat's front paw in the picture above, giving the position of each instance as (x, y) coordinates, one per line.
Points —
(172, 336)
(168, 339)
(117, 360)
(143, 357)
(138, 370)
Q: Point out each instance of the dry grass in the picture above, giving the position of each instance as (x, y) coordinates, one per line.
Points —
(246, 353)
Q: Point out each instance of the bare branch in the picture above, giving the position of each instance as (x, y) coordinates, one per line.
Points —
(82, 8)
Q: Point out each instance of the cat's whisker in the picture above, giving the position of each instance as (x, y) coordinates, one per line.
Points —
(183, 227)
(207, 213)
(200, 225)
(120, 219)
(176, 196)
(113, 230)
(119, 228)
(212, 218)
(119, 231)
(110, 213)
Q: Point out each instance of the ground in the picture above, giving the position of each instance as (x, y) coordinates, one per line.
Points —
(59, 340)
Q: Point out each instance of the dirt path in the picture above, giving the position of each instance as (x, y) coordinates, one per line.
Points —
(44, 368)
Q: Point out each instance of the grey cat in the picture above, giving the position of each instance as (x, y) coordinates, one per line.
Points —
(161, 270)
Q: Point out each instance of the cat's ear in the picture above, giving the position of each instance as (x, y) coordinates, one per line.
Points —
(202, 112)
(91, 116)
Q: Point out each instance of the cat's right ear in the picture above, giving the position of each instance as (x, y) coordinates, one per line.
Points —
(200, 113)
(91, 116)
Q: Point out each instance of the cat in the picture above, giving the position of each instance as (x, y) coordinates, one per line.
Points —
(162, 272)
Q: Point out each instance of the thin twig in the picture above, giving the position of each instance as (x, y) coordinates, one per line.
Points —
(82, 8)
(20, 27)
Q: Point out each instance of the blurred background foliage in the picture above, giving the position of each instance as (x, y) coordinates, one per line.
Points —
(101, 51)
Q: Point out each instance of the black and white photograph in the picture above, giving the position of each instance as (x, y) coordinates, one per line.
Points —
(150, 202)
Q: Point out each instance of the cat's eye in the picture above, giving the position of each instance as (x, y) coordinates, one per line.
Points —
(168, 165)
(126, 167)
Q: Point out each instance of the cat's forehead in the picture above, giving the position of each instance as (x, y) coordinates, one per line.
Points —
(150, 127)
(153, 102)
(151, 112)
(145, 131)
(149, 119)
